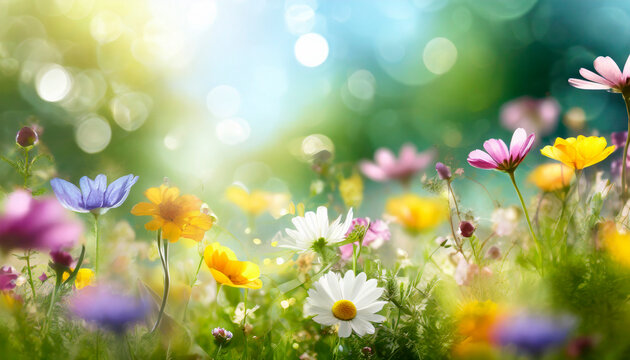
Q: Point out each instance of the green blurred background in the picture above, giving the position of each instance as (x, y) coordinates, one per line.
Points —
(208, 93)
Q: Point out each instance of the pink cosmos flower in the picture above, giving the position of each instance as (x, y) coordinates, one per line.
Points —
(539, 116)
(499, 157)
(387, 167)
(609, 76)
(375, 236)
(42, 224)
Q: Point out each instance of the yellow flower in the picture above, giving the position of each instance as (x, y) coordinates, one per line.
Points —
(84, 277)
(551, 177)
(254, 203)
(351, 190)
(258, 201)
(177, 216)
(579, 153)
(476, 319)
(417, 213)
(227, 270)
(616, 243)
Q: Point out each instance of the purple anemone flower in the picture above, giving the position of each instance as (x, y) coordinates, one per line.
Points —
(108, 308)
(533, 334)
(42, 224)
(8, 275)
(499, 157)
(94, 196)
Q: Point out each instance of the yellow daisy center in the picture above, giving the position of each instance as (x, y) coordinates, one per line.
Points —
(344, 310)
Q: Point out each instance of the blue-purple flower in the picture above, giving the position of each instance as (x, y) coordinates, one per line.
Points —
(94, 196)
(221, 335)
(533, 334)
(108, 308)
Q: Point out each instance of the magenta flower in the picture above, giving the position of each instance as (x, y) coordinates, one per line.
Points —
(387, 167)
(8, 275)
(499, 157)
(376, 235)
(43, 224)
(539, 116)
(609, 76)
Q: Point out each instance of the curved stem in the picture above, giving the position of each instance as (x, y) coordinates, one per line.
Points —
(450, 189)
(167, 278)
(77, 267)
(529, 222)
(192, 284)
(53, 295)
(624, 184)
(245, 322)
(30, 273)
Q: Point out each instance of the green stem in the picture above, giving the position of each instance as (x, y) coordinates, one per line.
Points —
(245, 322)
(529, 223)
(30, 274)
(450, 189)
(26, 168)
(96, 236)
(74, 272)
(58, 278)
(167, 278)
(624, 184)
(192, 284)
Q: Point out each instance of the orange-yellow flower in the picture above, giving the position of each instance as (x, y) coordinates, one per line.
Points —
(254, 203)
(227, 270)
(616, 243)
(551, 177)
(84, 277)
(177, 216)
(417, 213)
(579, 153)
(476, 318)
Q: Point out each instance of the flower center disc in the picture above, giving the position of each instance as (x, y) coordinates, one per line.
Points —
(344, 310)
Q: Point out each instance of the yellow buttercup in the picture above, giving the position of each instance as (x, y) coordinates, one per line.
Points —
(579, 153)
(551, 177)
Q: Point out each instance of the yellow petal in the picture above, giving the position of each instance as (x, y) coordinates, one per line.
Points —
(171, 232)
(154, 224)
(144, 208)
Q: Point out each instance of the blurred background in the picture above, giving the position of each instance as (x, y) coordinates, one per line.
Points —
(209, 93)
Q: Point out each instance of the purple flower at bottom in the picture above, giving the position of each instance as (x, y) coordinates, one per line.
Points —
(221, 335)
(108, 308)
(375, 236)
(533, 334)
(43, 224)
(8, 275)
(94, 196)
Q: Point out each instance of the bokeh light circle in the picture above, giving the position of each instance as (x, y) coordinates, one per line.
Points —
(232, 131)
(93, 134)
(53, 83)
(439, 55)
(311, 49)
(299, 18)
(130, 110)
(223, 101)
(362, 84)
(106, 26)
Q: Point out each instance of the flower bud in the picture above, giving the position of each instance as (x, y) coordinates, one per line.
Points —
(494, 253)
(61, 260)
(443, 171)
(367, 351)
(26, 137)
(466, 228)
(221, 335)
(43, 277)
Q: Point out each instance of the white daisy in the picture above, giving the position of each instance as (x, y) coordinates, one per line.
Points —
(351, 302)
(314, 230)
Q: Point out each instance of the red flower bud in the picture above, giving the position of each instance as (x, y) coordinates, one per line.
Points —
(466, 228)
(26, 137)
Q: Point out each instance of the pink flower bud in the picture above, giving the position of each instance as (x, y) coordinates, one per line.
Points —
(443, 171)
(466, 228)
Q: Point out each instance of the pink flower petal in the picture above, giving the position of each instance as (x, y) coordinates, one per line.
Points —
(607, 67)
(518, 142)
(589, 75)
(626, 69)
(481, 160)
(528, 146)
(407, 155)
(497, 149)
(372, 171)
(385, 159)
(587, 85)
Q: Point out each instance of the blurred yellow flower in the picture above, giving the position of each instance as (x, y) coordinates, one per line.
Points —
(227, 270)
(351, 190)
(474, 350)
(551, 177)
(177, 216)
(84, 277)
(579, 153)
(258, 201)
(476, 318)
(296, 209)
(616, 243)
(417, 213)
